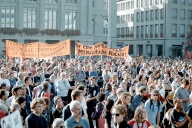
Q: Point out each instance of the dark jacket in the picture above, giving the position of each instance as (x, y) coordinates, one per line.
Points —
(124, 124)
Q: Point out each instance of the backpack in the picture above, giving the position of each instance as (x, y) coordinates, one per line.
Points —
(44, 94)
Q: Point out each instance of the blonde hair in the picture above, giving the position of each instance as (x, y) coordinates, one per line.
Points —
(122, 96)
(121, 109)
(138, 112)
(36, 101)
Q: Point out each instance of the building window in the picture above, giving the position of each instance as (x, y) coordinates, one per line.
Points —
(162, 13)
(156, 30)
(157, 14)
(128, 5)
(146, 2)
(147, 15)
(118, 31)
(8, 17)
(105, 26)
(174, 1)
(161, 30)
(174, 13)
(122, 31)
(142, 31)
(161, 1)
(29, 18)
(190, 14)
(93, 25)
(174, 30)
(151, 31)
(132, 31)
(127, 31)
(182, 30)
(182, 1)
(146, 30)
(138, 3)
(151, 14)
(132, 4)
(51, 1)
(190, 1)
(106, 4)
(137, 31)
(182, 14)
(71, 20)
(151, 2)
(141, 3)
(132, 17)
(50, 19)
(138, 16)
(156, 1)
(142, 16)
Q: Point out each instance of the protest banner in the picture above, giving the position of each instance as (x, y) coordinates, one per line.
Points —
(100, 49)
(30, 50)
(37, 49)
(93, 50)
(12, 120)
(53, 50)
(14, 49)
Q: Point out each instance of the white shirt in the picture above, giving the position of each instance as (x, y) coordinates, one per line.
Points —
(6, 81)
(84, 105)
(161, 91)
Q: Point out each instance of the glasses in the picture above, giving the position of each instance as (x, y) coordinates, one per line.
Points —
(155, 95)
(116, 114)
(61, 126)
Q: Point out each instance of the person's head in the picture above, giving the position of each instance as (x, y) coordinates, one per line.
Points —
(14, 107)
(123, 85)
(46, 103)
(58, 102)
(108, 86)
(77, 95)
(151, 87)
(134, 82)
(58, 123)
(21, 101)
(38, 70)
(120, 91)
(114, 89)
(119, 113)
(166, 76)
(185, 82)
(109, 104)
(159, 82)
(49, 70)
(21, 75)
(155, 95)
(142, 91)
(76, 108)
(83, 89)
(125, 98)
(63, 75)
(37, 105)
(3, 86)
(92, 80)
(16, 91)
(140, 78)
(45, 86)
(101, 97)
(177, 102)
(3, 74)
(140, 113)
(52, 78)
(28, 80)
(3, 94)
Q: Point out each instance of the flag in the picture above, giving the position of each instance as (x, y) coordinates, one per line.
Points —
(188, 54)
(129, 58)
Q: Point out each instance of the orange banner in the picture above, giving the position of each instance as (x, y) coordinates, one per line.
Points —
(53, 50)
(37, 49)
(100, 49)
(14, 49)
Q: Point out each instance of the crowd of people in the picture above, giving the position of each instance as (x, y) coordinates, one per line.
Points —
(88, 93)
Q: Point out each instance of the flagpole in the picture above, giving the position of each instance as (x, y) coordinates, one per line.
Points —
(109, 24)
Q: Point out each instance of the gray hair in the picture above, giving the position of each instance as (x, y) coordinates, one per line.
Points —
(74, 104)
(57, 122)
